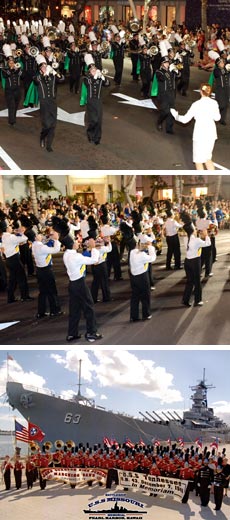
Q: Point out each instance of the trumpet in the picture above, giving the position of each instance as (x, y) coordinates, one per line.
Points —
(17, 65)
(18, 53)
(105, 46)
(134, 25)
(227, 67)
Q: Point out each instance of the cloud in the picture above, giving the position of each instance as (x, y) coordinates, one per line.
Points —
(16, 373)
(103, 397)
(222, 410)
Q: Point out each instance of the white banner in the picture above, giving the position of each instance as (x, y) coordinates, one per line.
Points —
(156, 485)
(74, 475)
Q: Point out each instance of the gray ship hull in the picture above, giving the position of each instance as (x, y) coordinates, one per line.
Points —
(62, 419)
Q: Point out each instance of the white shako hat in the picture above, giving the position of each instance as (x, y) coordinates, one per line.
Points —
(92, 36)
(141, 40)
(13, 47)
(220, 45)
(18, 29)
(163, 48)
(71, 28)
(7, 50)
(25, 40)
(213, 55)
(89, 59)
(61, 26)
(71, 39)
(46, 42)
(40, 28)
(114, 29)
(40, 59)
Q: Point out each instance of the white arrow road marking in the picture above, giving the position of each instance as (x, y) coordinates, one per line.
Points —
(7, 159)
(145, 103)
(20, 113)
(77, 118)
(221, 167)
(9, 324)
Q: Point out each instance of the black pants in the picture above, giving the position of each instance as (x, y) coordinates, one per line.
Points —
(206, 259)
(48, 113)
(173, 244)
(213, 244)
(134, 60)
(26, 258)
(7, 479)
(192, 270)
(42, 482)
(140, 293)
(74, 82)
(3, 276)
(112, 476)
(113, 260)
(165, 103)
(47, 290)
(12, 101)
(218, 496)
(29, 479)
(100, 280)
(16, 276)
(118, 65)
(94, 120)
(18, 478)
(80, 299)
(204, 493)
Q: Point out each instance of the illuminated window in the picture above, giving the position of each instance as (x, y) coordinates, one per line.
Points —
(201, 191)
(167, 194)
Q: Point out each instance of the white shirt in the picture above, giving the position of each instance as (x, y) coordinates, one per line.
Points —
(205, 111)
(108, 231)
(75, 263)
(195, 246)
(10, 243)
(42, 252)
(103, 250)
(171, 226)
(202, 223)
(139, 260)
(84, 228)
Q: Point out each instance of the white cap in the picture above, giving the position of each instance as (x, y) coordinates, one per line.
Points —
(89, 59)
(114, 29)
(46, 42)
(18, 29)
(25, 40)
(82, 30)
(40, 28)
(45, 22)
(163, 49)
(144, 239)
(70, 39)
(213, 55)
(40, 59)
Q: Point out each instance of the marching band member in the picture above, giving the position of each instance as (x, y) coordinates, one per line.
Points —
(166, 93)
(146, 71)
(12, 75)
(93, 83)
(170, 229)
(74, 66)
(140, 286)
(185, 56)
(18, 467)
(6, 472)
(221, 75)
(29, 64)
(134, 46)
(118, 52)
(100, 271)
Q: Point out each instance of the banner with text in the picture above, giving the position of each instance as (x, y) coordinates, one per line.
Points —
(153, 484)
(75, 476)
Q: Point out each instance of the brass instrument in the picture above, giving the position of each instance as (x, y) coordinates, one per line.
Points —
(153, 50)
(59, 444)
(34, 447)
(134, 25)
(105, 46)
(70, 445)
(48, 445)
(17, 65)
(18, 53)
(33, 51)
(58, 54)
(227, 66)
(52, 33)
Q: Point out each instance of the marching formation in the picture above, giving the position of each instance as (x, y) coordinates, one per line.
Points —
(41, 55)
(206, 472)
(97, 236)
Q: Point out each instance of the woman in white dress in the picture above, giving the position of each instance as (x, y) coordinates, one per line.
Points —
(206, 112)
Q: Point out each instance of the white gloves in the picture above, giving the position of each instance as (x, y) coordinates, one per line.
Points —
(174, 114)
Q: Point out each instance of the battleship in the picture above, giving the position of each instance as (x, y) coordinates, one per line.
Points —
(83, 421)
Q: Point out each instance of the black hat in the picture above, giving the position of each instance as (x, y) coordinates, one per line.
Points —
(67, 241)
(164, 59)
(189, 228)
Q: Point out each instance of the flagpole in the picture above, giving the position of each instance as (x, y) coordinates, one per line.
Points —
(28, 420)
(7, 367)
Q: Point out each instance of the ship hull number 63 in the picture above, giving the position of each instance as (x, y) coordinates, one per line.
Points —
(72, 418)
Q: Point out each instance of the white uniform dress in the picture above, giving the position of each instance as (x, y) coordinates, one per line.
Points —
(205, 112)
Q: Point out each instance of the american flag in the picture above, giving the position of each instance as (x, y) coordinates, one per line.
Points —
(107, 442)
(181, 442)
(215, 443)
(141, 442)
(156, 443)
(129, 443)
(21, 433)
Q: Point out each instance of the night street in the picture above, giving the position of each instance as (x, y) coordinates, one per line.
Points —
(171, 323)
(130, 139)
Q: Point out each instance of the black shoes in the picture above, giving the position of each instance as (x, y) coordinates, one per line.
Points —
(93, 337)
(73, 338)
(54, 314)
(187, 304)
(27, 299)
(49, 149)
(43, 315)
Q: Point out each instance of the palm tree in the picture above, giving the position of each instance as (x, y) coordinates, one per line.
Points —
(33, 184)
(33, 196)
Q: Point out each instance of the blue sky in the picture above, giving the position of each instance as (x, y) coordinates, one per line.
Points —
(126, 380)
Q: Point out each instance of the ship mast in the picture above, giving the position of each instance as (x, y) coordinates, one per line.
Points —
(79, 379)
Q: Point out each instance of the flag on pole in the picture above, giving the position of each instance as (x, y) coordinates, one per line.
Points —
(114, 442)
(141, 442)
(199, 442)
(129, 443)
(156, 443)
(35, 433)
(169, 442)
(215, 443)
(21, 432)
(107, 442)
(181, 442)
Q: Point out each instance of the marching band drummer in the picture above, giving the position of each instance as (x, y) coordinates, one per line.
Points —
(12, 75)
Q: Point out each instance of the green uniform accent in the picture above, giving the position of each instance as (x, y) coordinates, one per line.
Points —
(154, 89)
(66, 63)
(84, 92)
(32, 95)
(138, 69)
(211, 79)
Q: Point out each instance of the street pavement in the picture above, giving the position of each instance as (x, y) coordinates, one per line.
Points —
(130, 138)
(171, 323)
(59, 501)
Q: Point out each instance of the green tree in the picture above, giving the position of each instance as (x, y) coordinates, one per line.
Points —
(33, 184)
